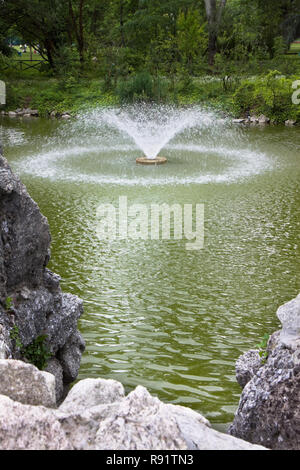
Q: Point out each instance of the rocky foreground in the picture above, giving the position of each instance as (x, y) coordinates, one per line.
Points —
(96, 415)
(32, 306)
(269, 408)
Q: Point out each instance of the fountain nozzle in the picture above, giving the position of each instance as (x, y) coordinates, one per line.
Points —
(151, 161)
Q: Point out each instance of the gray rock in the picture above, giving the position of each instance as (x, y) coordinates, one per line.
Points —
(289, 316)
(26, 384)
(290, 122)
(54, 367)
(39, 306)
(136, 422)
(12, 114)
(263, 120)
(70, 356)
(145, 423)
(239, 121)
(5, 341)
(269, 408)
(25, 427)
(25, 232)
(247, 366)
(92, 392)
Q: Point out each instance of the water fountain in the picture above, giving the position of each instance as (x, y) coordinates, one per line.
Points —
(152, 127)
(102, 145)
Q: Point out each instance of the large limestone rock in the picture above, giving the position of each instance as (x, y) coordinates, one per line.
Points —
(269, 408)
(97, 415)
(26, 384)
(92, 392)
(38, 306)
(26, 427)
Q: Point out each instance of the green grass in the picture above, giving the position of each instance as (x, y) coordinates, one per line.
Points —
(295, 46)
(25, 55)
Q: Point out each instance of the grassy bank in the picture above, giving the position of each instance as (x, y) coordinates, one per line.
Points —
(269, 94)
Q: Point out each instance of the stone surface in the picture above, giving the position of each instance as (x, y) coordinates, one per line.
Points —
(290, 122)
(54, 367)
(269, 408)
(263, 119)
(92, 392)
(38, 305)
(144, 422)
(25, 427)
(247, 366)
(289, 316)
(96, 415)
(26, 384)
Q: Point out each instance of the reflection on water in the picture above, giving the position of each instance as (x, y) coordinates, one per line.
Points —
(156, 314)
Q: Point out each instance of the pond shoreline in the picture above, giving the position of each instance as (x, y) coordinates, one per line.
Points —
(29, 113)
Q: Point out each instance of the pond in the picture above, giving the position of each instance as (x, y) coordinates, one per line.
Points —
(155, 313)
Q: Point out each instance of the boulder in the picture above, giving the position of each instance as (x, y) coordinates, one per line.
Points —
(26, 384)
(88, 393)
(26, 427)
(247, 366)
(96, 415)
(290, 122)
(269, 408)
(54, 367)
(289, 316)
(38, 306)
(263, 120)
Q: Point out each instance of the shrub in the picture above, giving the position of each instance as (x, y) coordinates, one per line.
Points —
(270, 95)
(142, 87)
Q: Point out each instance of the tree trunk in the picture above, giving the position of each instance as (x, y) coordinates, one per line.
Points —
(214, 16)
(78, 28)
(122, 23)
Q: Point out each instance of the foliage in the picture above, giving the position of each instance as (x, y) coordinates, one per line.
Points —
(128, 36)
(270, 95)
(142, 87)
(14, 335)
(262, 347)
(37, 352)
(8, 303)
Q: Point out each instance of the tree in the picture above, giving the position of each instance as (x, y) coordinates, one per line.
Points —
(76, 19)
(214, 11)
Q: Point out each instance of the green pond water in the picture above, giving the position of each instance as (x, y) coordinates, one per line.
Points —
(156, 314)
